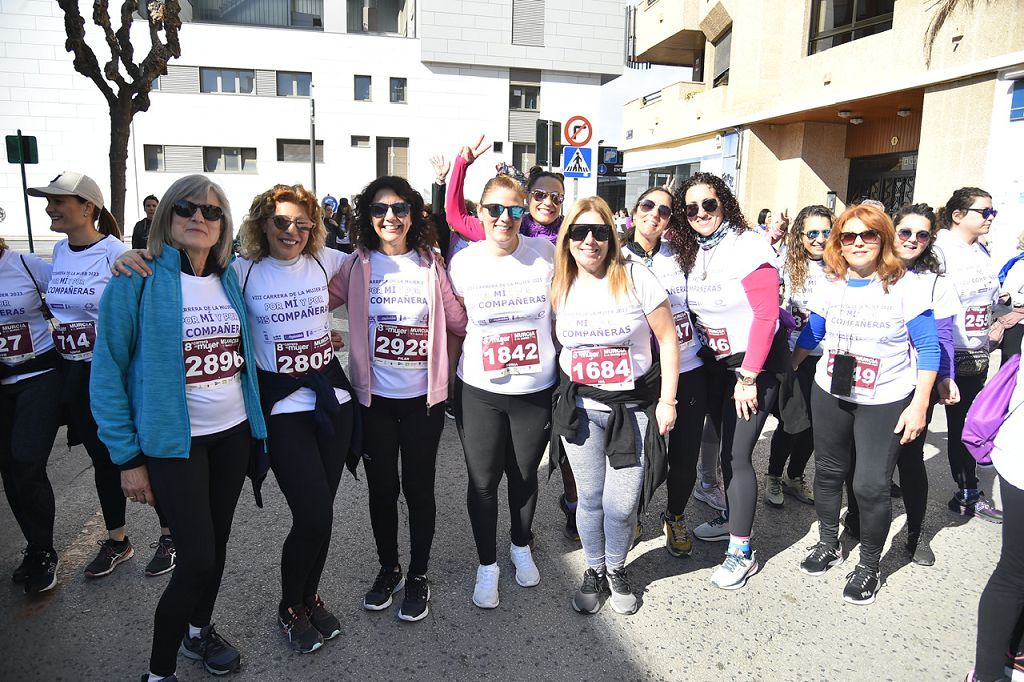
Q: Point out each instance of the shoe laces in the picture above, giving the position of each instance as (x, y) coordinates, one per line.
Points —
(592, 581)
(416, 588)
(487, 579)
(619, 580)
(860, 576)
(164, 548)
(678, 525)
(298, 620)
(383, 580)
(210, 641)
(718, 521)
(775, 485)
(820, 550)
(733, 561)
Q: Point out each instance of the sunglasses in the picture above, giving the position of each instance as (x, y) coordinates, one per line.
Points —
(709, 206)
(812, 235)
(664, 212)
(284, 222)
(400, 209)
(578, 232)
(514, 212)
(540, 195)
(986, 213)
(186, 209)
(924, 236)
(867, 236)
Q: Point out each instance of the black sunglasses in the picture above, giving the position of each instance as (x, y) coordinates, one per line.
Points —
(924, 236)
(540, 195)
(514, 212)
(664, 212)
(867, 236)
(284, 222)
(709, 205)
(400, 209)
(578, 232)
(986, 213)
(814, 234)
(186, 209)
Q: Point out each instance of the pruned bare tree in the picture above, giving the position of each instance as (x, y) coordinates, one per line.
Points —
(124, 83)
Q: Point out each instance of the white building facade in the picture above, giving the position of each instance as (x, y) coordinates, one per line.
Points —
(394, 82)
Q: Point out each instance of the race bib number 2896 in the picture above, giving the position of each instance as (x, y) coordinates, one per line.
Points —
(210, 363)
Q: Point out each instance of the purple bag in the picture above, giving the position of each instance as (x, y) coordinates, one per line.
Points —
(989, 411)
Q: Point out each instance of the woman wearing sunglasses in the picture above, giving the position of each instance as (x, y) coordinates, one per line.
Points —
(645, 244)
(733, 291)
(867, 391)
(506, 373)
(401, 314)
(966, 217)
(175, 395)
(615, 402)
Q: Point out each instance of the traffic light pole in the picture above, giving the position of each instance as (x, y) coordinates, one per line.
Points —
(24, 191)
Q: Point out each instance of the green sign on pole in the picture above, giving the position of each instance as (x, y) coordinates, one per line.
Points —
(26, 152)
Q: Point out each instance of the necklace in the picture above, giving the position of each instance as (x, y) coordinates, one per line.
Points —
(705, 261)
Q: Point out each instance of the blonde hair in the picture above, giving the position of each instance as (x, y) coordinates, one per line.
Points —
(183, 188)
(889, 268)
(565, 265)
(503, 182)
(253, 241)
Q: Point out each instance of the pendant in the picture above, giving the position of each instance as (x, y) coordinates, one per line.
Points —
(704, 275)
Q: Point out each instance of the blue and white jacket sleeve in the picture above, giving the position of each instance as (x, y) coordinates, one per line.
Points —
(925, 337)
(813, 333)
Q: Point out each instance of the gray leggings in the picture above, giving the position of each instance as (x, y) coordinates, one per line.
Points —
(608, 498)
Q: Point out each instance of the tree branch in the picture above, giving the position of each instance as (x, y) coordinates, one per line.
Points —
(124, 40)
(85, 61)
(101, 17)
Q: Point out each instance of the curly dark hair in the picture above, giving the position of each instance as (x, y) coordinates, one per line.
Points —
(421, 235)
(960, 200)
(683, 238)
(928, 261)
(796, 254)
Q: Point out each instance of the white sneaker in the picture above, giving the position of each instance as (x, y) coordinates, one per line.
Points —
(485, 594)
(714, 496)
(527, 574)
(734, 571)
(715, 530)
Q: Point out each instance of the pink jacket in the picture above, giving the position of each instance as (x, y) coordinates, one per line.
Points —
(351, 286)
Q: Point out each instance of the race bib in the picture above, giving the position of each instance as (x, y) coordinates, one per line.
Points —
(800, 316)
(976, 320)
(511, 353)
(684, 329)
(397, 345)
(16, 343)
(297, 358)
(865, 374)
(75, 340)
(211, 363)
(717, 339)
(608, 367)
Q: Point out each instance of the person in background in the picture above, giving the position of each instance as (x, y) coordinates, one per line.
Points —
(330, 207)
(345, 222)
(1011, 289)
(140, 233)
(445, 236)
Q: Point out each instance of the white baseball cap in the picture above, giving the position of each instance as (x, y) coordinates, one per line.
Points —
(83, 187)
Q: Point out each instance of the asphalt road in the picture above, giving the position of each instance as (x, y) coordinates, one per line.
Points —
(783, 626)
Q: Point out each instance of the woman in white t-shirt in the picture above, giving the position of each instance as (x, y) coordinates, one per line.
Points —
(506, 374)
(646, 244)
(615, 402)
(81, 270)
(870, 389)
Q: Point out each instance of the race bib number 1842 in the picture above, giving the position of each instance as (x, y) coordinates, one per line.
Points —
(508, 353)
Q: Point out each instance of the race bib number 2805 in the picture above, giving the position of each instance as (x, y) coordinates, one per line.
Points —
(298, 358)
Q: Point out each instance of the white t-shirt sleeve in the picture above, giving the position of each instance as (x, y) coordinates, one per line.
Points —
(115, 247)
(1013, 286)
(649, 291)
(945, 302)
(332, 260)
(39, 268)
(456, 271)
(916, 293)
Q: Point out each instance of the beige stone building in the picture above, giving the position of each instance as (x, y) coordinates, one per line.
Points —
(828, 101)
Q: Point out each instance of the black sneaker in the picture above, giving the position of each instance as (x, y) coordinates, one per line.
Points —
(622, 598)
(164, 559)
(169, 678)
(417, 594)
(895, 491)
(920, 551)
(216, 653)
(387, 582)
(861, 585)
(302, 636)
(323, 620)
(20, 574)
(822, 557)
(570, 519)
(588, 598)
(449, 411)
(42, 571)
(976, 506)
(112, 554)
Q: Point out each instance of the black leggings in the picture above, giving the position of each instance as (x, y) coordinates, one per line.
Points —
(393, 426)
(684, 440)
(869, 429)
(29, 419)
(308, 467)
(78, 409)
(1011, 343)
(738, 437)
(1002, 601)
(796, 447)
(199, 495)
(961, 463)
(501, 434)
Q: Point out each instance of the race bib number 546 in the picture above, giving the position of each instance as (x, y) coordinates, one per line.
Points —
(609, 368)
(717, 339)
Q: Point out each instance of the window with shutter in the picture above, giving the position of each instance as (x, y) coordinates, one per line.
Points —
(528, 23)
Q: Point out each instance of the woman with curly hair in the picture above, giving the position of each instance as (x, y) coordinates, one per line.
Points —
(868, 391)
(733, 292)
(402, 312)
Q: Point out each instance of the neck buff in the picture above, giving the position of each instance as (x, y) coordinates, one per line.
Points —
(712, 240)
(635, 248)
(531, 228)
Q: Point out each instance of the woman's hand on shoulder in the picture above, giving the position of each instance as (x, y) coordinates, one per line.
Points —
(132, 261)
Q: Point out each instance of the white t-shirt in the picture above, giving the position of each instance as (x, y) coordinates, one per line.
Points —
(716, 295)
(945, 302)
(211, 345)
(871, 325)
(1013, 285)
(290, 319)
(24, 332)
(1006, 451)
(606, 342)
(508, 347)
(76, 286)
(798, 302)
(976, 281)
(399, 320)
(666, 268)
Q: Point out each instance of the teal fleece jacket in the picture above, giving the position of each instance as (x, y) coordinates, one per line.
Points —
(138, 366)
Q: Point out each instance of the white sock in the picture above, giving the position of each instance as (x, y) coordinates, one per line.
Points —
(155, 678)
(193, 631)
(708, 486)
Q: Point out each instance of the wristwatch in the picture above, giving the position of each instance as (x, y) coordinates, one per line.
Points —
(745, 380)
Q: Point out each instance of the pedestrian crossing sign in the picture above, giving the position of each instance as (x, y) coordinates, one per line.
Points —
(576, 162)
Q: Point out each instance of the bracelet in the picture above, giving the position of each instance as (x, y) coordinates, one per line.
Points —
(671, 403)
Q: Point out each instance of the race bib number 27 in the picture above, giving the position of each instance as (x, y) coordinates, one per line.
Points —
(15, 342)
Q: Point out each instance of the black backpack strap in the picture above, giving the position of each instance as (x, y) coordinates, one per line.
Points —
(42, 297)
